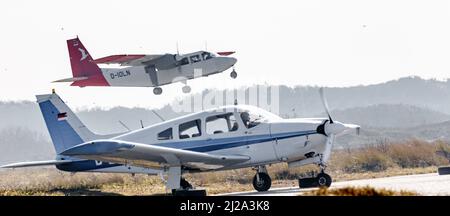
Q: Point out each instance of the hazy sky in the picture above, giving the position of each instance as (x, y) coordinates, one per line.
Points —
(326, 43)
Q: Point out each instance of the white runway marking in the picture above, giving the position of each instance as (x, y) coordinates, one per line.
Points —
(424, 184)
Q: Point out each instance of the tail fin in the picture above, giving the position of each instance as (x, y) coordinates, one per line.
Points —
(85, 71)
(65, 129)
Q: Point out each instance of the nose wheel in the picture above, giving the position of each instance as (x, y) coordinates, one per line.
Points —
(157, 90)
(233, 74)
(323, 180)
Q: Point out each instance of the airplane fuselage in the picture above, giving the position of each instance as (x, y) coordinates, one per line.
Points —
(271, 141)
(152, 76)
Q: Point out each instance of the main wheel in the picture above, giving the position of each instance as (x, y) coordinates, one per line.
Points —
(323, 180)
(264, 182)
(157, 90)
(186, 89)
(233, 74)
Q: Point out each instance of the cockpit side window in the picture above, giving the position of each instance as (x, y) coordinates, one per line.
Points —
(224, 123)
(165, 134)
(195, 58)
(250, 120)
(206, 56)
(190, 129)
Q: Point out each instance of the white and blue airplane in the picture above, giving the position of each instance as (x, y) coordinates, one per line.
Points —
(229, 137)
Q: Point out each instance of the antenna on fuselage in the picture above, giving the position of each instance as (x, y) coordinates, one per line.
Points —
(178, 50)
(142, 124)
(159, 116)
(125, 126)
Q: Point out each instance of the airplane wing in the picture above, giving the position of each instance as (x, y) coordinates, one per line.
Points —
(145, 155)
(136, 60)
(36, 163)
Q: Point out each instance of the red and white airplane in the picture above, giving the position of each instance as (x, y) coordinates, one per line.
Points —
(144, 70)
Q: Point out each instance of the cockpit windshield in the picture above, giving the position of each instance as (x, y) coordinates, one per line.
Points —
(207, 55)
(254, 117)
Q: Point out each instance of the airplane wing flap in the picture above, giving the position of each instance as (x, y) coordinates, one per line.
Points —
(149, 155)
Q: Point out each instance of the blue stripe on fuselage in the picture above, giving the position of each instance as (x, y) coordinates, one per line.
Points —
(232, 142)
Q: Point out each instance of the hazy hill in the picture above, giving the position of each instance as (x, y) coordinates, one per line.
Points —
(389, 116)
(428, 94)
(21, 114)
(107, 121)
(21, 144)
(370, 135)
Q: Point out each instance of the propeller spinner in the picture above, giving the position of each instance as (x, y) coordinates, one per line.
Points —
(331, 127)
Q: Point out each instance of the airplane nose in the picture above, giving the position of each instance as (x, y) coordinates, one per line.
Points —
(340, 128)
(223, 63)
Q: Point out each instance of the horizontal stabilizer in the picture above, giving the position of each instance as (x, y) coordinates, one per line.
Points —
(36, 163)
(73, 79)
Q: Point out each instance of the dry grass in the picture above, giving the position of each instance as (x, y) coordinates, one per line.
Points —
(358, 191)
(380, 157)
(411, 157)
(49, 181)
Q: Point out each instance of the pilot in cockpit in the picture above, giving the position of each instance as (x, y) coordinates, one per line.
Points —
(245, 118)
(205, 56)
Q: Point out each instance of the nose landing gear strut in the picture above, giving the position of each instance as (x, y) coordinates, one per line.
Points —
(320, 180)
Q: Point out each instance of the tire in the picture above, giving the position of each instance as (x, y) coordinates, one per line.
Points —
(157, 91)
(186, 89)
(264, 182)
(323, 180)
(233, 74)
(444, 170)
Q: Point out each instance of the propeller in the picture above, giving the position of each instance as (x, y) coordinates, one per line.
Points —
(325, 104)
(328, 146)
(331, 128)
